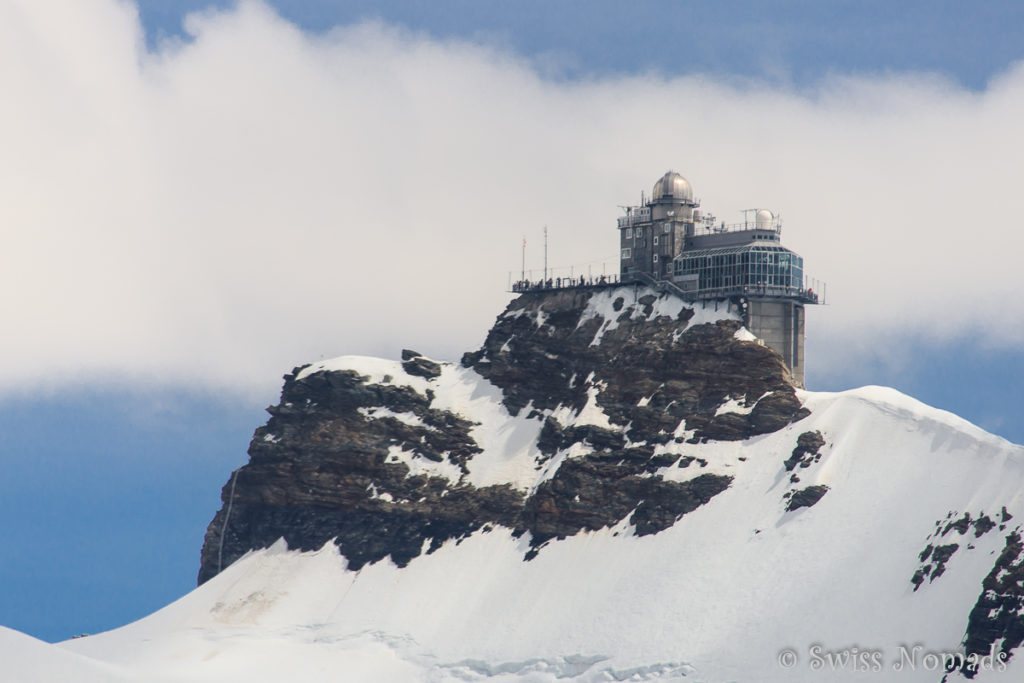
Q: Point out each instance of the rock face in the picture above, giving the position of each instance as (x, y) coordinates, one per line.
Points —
(583, 409)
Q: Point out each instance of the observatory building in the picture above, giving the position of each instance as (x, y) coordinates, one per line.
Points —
(666, 241)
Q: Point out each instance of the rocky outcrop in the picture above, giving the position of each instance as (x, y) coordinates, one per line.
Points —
(995, 627)
(807, 451)
(805, 497)
(651, 376)
(584, 409)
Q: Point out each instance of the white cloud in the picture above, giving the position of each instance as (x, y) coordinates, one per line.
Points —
(221, 209)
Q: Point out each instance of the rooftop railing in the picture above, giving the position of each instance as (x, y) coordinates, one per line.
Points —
(701, 228)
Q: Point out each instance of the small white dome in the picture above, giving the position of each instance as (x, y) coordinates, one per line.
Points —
(763, 219)
(672, 186)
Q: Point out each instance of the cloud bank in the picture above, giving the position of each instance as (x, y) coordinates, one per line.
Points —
(216, 211)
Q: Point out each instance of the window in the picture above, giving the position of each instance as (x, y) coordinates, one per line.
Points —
(629, 233)
(655, 240)
(668, 228)
(626, 253)
(655, 256)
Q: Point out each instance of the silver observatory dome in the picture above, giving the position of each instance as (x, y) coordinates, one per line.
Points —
(672, 186)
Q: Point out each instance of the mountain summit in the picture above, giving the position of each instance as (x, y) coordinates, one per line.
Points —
(618, 485)
(584, 409)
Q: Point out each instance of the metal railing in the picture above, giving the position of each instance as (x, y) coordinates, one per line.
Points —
(808, 296)
(701, 228)
(564, 283)
(804, 295)
(801, 294)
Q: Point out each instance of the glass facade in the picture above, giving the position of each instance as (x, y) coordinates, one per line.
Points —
(764, 269)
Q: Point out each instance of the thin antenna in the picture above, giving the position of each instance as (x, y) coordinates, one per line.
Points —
(545, 253)
(523, 277)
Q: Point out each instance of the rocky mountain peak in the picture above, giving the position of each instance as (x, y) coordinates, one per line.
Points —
(583, 409)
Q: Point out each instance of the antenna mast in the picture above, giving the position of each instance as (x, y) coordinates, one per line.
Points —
(545, 253)
(522, 277)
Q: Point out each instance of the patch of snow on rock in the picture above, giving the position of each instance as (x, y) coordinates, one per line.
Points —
(733, 406)
(743, 334)
(418, 465)
(378, 412)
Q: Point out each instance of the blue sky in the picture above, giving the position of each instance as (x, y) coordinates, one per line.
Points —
(797, 41)
(191, 215)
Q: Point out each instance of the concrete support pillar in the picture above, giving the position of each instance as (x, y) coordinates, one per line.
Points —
(780, 325)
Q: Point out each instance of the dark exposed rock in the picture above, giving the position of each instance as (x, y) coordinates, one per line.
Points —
(961, 525)
(415, 364)
(983, 525)
(667, 501)
(920, 575)
(926, 553)
(806, 497)
(682, 377)
(940, 556)
(588, 494)
(808, 447)
(554, 437)
(997, 618)
(935, 556)
(325, 467)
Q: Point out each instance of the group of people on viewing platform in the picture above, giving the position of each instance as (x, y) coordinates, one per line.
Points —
(563, 282)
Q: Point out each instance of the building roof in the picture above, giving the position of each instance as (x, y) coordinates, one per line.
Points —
(750, 246)
(672, 185)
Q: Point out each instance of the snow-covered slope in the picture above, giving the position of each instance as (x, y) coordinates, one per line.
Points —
(845, 532)
(716, 597)
(24, 659)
